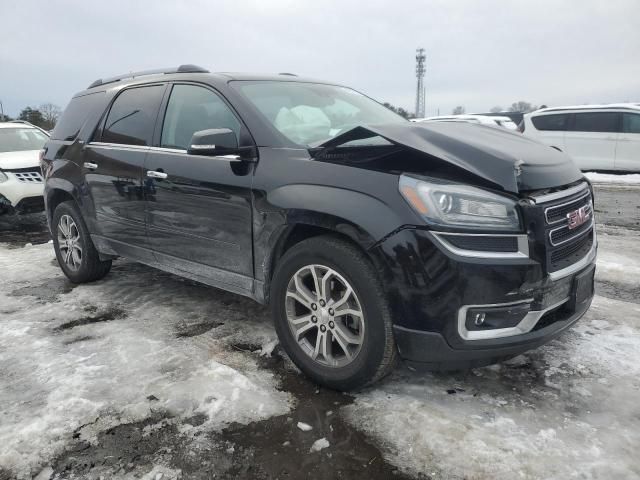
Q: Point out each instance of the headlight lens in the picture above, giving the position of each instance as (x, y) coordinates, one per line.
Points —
(444, 203)
(3, 177)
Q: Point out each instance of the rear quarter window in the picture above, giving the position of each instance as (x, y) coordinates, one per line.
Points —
(557, 122)
(76, 114)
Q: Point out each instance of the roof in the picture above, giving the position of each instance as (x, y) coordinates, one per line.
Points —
(625, 106)
(17, 124)
(193, 70)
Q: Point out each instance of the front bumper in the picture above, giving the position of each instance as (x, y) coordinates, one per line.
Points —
(21, 195)
(435, 293)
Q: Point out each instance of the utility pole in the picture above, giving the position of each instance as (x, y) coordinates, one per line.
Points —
(420, 90)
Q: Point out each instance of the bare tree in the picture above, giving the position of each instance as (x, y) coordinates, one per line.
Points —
(50, 115)
(459, 110)
(497, 109)
(522, 107)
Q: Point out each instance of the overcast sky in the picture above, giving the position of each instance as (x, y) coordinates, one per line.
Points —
(479, 53)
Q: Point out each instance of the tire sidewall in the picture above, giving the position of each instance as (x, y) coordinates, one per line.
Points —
(361, 275)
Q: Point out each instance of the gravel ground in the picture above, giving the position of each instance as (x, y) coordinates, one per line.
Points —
(147, 375)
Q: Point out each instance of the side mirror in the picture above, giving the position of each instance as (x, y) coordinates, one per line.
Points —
(216, 141)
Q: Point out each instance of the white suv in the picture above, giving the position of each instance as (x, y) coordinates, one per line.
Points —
(597, 137)
(494, 121)
(21, 184)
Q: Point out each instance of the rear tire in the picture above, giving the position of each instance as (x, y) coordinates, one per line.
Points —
(345, 348)
(75, 252)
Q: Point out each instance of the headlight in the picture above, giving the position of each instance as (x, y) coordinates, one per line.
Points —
(3, 177)
(449, 204)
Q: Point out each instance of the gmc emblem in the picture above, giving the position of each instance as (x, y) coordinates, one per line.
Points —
(578, 217)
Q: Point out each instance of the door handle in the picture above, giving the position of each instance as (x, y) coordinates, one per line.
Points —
(154, 174)
(90, 166)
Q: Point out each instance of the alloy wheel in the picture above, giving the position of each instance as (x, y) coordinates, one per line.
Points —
(325, 316)
(69, 242)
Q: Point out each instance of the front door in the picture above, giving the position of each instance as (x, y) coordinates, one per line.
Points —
(591, 140)
(113, 164)
(628, 151)
(199, 210)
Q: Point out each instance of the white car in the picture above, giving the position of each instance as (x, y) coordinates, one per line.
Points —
(494, 121)
(597, 137)
(21, 184)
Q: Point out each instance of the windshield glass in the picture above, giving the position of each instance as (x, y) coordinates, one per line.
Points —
(19, 139)
(309, 113)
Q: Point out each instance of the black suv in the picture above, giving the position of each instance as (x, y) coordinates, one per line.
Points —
(450, 244)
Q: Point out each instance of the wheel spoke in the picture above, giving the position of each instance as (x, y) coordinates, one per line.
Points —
(324, 285)
(342, 332)
(67, 257)
(348, 311)
(303, 290)
(298, 298)
(316, 282)
(342, 300)
(75, 256)
(323, 346)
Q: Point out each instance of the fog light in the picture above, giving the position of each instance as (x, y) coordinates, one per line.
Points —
(487, 318)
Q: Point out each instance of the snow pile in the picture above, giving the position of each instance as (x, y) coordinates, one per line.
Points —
(628, 179)
(116, 351)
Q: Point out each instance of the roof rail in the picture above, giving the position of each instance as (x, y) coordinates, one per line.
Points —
(181, 69)
(289, 74)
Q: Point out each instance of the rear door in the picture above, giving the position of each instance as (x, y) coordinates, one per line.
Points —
(628, 150)
(199, 216)
(113, 165)
(592, 138)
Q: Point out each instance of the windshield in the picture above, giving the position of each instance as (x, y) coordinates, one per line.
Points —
(309, 113)
(20, 139)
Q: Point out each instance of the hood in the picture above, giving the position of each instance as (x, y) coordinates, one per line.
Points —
(512, 161)
(23, 159)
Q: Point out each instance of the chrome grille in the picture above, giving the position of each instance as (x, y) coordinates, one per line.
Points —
(31, 176)
(558, 213)
(564, 245)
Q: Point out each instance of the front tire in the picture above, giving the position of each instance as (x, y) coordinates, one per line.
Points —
(331, 314)
(75, 252)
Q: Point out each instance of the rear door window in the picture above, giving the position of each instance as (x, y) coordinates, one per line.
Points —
(76, 114)
(132, 117)
(631, 122)
(556, 122)
(191, 109)
(604, 122)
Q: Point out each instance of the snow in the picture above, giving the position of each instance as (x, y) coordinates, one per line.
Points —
(305, 427)
(319, 444)
(88, 360)
(566, 410)
(631, 179)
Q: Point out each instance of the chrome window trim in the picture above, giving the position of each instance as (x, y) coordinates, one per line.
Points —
(575, 237)
(119, 146)
(522, 240)
(525, 326)
(546, 215)
(562, 194)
